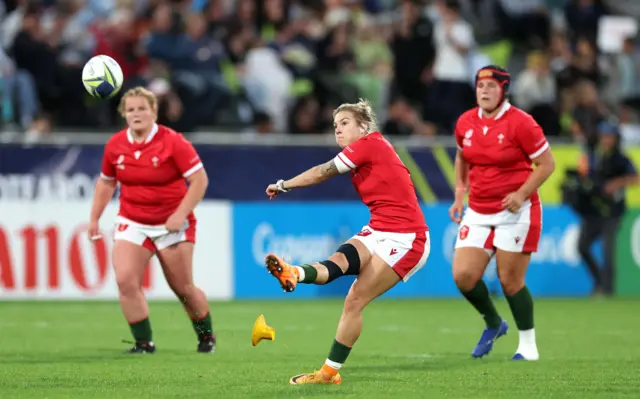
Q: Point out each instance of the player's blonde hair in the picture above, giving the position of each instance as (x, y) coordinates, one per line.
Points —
(362, 112)
(138, 91)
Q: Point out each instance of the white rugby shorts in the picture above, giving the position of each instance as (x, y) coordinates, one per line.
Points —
(512, 232)
(153, 237)
(406, 253)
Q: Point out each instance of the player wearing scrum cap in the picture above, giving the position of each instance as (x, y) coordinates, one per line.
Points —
(497, 145)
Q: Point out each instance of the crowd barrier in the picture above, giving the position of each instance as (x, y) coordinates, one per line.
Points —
(45, 194)
(241, 172)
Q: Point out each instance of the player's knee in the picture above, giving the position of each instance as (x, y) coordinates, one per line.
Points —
(128, 284)
(466, 278)
(512, 287)
(182, 288)
(348, 258)
(511, 283)
(334, 271)
(355, 302)
(344, 262)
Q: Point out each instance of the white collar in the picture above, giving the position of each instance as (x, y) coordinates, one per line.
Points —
(505, 107)
(154, 130)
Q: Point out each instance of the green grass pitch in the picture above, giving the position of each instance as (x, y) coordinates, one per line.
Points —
(410, 348)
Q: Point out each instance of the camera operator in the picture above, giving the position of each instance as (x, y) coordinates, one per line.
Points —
(599, 197)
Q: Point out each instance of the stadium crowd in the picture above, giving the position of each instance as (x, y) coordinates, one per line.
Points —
(283, 65)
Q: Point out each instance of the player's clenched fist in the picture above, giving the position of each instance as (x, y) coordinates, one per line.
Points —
(175, 222)
(455, 212)
(513, 202)
(93, 230)
(272, 191)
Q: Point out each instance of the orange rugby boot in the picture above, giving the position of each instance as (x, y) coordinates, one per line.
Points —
(286, 274)
(317, 377)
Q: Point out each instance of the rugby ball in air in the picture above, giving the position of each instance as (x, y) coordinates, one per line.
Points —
(102, 76)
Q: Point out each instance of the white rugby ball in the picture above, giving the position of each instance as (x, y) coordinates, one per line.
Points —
(102, 76)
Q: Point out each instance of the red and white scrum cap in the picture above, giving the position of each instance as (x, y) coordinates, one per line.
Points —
(498, 74)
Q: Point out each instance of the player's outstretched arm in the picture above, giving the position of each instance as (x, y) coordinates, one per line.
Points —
(313, 176)
(308, 178)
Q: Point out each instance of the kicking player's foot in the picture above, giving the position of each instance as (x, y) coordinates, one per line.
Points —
(142, 347)
(489, 336)
(207, 344)
(317, 377)
(286, 274)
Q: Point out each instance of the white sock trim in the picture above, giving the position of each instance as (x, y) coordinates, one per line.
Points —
(332, 364)
(300, 272)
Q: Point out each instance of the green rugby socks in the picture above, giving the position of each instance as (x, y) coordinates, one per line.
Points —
(479, 297)
(521, 304)
(141, 330)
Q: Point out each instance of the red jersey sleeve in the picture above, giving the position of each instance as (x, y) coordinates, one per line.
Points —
(185, 156)
(354, 156)
(531, 137)
(108, 170)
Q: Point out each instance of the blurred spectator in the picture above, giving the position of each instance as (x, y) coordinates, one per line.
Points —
(223, 64)
(535, 92)
(583, 65)
(404, 120)
(305, 117)
(582, 18)
(525, 21)
(588, 113)
(19, 84)
(450, 93)
(262, 124)
(560, 52)
(628, 64)
(413, 49)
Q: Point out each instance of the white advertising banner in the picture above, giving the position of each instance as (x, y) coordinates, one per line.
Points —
(45, 253)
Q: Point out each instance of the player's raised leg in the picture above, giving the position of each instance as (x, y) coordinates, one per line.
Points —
(345, 261)
(375, 279)
(396, 258)
(512, 267)
(177, 264)
(470, 260)
(129, 262)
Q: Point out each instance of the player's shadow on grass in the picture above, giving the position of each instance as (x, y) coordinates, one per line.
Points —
(444, 361)
(93, 355)
(308, 391)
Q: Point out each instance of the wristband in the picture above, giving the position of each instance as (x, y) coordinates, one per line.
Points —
(280, 186)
